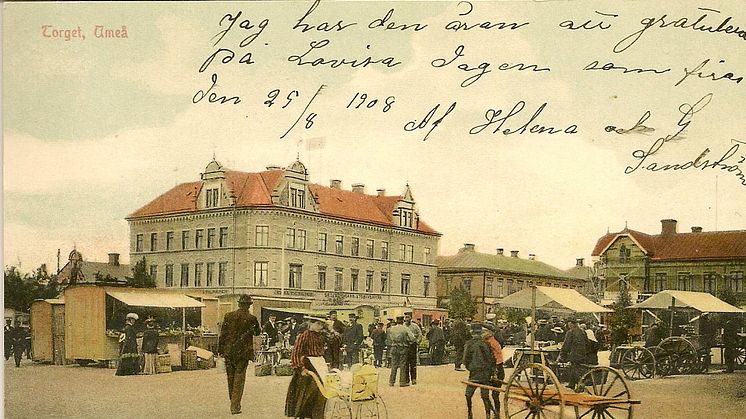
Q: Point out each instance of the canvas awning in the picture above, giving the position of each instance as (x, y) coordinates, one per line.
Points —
(700, 301)
(551, 298)
(155, 299)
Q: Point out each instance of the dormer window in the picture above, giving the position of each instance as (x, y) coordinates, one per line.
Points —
(297, 197)
(405, 217)
(212, 198)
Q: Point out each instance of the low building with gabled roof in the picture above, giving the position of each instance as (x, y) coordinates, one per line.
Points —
(80, 271)
(275, 233)
(489, 277)
(691, 261)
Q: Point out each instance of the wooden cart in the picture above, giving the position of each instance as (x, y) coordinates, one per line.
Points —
(533, 391)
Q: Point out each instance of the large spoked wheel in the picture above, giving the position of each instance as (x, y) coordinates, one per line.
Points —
(606, 382)
(740, 356)
(534, 392)
(637, 363)
(370, 409)
(676, 355)
(337, 408)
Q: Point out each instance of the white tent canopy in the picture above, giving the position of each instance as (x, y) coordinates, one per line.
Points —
(155, 299)
(551, 298)
(700, 301)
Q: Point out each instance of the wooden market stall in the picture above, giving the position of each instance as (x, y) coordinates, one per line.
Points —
(48, 331)
(94, 318)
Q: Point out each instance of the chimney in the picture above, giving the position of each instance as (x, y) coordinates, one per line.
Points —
(114, 259)
(358, 187)
(468, 247)
(335, 184)
(381, 192)
(273, 167)
(531, 256)
(579, 262)
(514, 253)
(499, 251)
(696, 229)
(668, 227)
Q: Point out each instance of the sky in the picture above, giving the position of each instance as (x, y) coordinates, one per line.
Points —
(95, 128)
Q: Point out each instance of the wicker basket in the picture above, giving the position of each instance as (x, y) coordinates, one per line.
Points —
(284, 370)
(263, 370)
(163, 364)
(205, 364)
(189, 360)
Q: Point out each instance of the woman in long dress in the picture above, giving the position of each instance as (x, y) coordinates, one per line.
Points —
(129, 359)
(304, 399)
(150, 347)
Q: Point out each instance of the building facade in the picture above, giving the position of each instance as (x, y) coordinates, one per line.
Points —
(691, 261)
(489, 277)
(274, 233)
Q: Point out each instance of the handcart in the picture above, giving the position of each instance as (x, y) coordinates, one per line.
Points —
(351, 394)
(533, 391)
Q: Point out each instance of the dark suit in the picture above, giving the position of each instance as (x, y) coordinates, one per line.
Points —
(353, 337)
(293, 331)
(236, 344)
(271, 331)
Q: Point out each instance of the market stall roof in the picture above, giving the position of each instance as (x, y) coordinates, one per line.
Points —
(155, 299)
(700, 301)
(551, 298)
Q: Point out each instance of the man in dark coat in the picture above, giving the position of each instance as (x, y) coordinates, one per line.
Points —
(270, 328)
(379, 343)
(480, 362)
(236, 344)
(574, 351)
(706, 337)
(459, 336)
(353, 337)
(18, 337)
(8, 333)
(437, 342)
(653, 335)
(731, 341)
(334, 341)
(293, 330)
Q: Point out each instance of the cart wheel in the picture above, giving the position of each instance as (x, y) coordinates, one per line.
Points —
(606, 382)
(533, 391)
(740, 356)
(370, 409)
(637, 363)
(337, 408)
(677, 356)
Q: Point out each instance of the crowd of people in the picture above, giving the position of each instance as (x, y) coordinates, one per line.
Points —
(17, 342)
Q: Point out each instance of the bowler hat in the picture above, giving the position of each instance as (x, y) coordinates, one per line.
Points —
(133, 316)
(245, 299)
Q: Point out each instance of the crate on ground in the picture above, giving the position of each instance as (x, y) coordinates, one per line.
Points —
(205, 358)
(263, 370)
(189, 360)
(163, 363)
(284, 368)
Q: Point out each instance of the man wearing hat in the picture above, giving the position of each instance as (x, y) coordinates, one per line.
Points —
(480, 362)
(129, 359)
(706, 337)
(378, 335)
(411, 367)
(236, 344)
(353, 337)
(574, 351)
(399, 339)
(334, 345)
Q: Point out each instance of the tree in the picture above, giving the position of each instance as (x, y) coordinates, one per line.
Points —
(22, 289)
(727, 295)
(461, 305)
(623, 319)
(140, 277)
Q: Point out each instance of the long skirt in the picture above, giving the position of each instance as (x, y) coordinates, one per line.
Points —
(129, 364)
(150, 364)
(304, 399)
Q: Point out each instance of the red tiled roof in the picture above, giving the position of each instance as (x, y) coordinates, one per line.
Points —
(683, 246)
(255, 189)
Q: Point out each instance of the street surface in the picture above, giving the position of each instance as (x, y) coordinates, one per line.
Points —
(48, 391)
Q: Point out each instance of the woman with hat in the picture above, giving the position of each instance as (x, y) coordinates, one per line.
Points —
(129, 358)
(304, 399)
(150, 346)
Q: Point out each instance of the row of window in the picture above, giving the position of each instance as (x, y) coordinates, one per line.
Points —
(215, 238)
(296, 238)
(502, 287)
(685, 282)
(194, 276)
(366, 281)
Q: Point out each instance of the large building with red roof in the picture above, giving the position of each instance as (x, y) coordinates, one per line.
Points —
(691, 261)
(274, 233)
